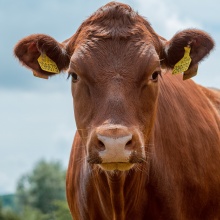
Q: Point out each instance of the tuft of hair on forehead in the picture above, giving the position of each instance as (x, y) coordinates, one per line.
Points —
(115, 21)
(114, 11)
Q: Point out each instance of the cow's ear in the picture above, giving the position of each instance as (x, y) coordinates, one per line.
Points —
(199, 42)
(29, 49)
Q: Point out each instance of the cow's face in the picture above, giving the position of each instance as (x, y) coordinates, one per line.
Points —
(115, 61)
(115, 89)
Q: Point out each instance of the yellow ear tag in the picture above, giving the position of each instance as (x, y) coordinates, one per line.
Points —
(47, 64)
(184, 63)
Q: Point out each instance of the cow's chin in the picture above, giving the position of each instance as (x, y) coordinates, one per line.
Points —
(116, 166)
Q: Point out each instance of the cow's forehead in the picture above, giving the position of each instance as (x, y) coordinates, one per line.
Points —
(114, 39)
(114, 56)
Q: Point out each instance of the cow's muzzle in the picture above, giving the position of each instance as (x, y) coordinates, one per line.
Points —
(115, 147)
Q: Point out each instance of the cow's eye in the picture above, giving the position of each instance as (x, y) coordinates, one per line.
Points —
(74, 77)
(154, 76)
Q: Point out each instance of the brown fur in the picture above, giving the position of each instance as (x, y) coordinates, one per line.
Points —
(213, 95)
(116, 53)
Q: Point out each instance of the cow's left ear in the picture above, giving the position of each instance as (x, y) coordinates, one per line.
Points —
(199, 42)
(43, 54)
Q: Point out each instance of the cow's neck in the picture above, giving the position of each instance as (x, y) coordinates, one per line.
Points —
(116, 185)
(126, 195)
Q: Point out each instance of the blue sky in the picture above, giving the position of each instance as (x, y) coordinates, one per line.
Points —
(36, 115)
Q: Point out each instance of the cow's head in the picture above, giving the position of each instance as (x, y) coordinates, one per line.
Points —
(115, 61)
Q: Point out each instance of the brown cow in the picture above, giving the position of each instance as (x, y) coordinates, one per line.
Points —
(147, 144)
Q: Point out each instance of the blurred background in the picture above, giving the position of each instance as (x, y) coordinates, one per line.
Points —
(36, 115)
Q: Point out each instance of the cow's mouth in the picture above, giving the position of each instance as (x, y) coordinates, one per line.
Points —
(121, 166)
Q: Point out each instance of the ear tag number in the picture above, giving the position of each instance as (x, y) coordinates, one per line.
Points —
(183, 64)
(47, 64)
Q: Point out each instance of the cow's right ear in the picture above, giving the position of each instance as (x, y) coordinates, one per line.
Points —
(29, 49)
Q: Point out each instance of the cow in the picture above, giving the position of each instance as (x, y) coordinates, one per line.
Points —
(147, 144)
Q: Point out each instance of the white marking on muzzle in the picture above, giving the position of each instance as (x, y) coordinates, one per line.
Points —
(115, 149)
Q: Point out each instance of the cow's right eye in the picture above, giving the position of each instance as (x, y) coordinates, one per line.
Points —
(74, 77)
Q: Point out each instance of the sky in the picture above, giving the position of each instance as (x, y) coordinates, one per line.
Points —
(36, 115)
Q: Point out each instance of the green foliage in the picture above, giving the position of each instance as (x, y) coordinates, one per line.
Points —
(62, 211)
(44, 185)
(40, 195)
(7, 214)
(31, 213)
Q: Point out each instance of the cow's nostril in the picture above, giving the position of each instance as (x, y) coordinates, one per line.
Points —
(129, 145)
(101, 145)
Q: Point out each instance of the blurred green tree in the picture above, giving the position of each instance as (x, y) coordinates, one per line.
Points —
(7, 214)
(41, 193)
(62, 211)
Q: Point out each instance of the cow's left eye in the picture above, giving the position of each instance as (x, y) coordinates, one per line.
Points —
(154, 76)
